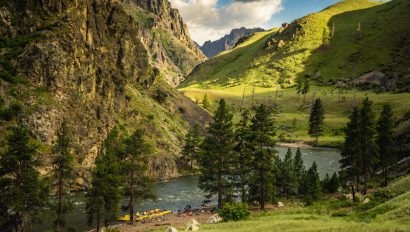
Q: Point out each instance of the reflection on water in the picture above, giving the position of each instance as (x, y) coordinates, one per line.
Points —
(175, 194)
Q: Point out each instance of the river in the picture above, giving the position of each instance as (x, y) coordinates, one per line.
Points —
(179, 192)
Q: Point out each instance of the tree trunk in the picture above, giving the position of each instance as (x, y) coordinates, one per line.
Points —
(98, 221)
(353, 191)
(261, 191)
(317, 137)
(386, 175)
(19, 222)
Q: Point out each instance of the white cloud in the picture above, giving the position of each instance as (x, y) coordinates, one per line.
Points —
(207, 21)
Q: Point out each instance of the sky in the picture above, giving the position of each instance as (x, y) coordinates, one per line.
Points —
(212, 19)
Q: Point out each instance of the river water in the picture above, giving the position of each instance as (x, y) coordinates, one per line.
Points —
(175, 194)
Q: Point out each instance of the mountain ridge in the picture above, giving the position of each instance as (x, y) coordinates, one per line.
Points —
(212, 48)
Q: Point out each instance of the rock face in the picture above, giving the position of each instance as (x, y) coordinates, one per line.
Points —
(212, 48)
(166, 37)
(90, 63)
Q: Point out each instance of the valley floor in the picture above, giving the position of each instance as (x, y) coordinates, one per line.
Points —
(293, 110)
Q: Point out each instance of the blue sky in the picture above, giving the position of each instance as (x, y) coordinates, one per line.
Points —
(211, 19)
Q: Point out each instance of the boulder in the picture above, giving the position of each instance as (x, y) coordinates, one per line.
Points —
(192, 225)
(214, 219)
(280, 204)
(171, 229)
(366, 201)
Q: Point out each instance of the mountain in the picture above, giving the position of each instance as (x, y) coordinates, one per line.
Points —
(99, 64)
(351, 39)
(212, 48)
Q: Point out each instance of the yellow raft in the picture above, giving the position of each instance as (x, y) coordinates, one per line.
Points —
(146, 215)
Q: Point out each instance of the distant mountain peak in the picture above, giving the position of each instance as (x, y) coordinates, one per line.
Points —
(212, 48)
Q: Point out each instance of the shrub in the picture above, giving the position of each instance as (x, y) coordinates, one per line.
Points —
(234, 212)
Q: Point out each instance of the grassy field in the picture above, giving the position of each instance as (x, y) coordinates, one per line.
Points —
(330, 215)
(293, 113)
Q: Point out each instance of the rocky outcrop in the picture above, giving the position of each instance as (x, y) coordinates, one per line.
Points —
(86, 61)
(166, 37)
(212, 48)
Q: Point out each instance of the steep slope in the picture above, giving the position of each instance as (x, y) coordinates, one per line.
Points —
(348, 39)
(86, 61)
(212, 48)
(166, 38)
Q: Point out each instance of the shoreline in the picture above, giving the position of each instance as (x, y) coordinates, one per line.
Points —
(302, 145)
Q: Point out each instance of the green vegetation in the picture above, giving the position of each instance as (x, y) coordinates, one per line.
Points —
(23, 192)
(234, 212)
(63, 173)
(321, 53)
(293, 114)
(325, 46)
(316, 119)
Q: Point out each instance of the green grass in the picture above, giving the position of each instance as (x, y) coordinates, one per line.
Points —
(293, 114)
(328, 215)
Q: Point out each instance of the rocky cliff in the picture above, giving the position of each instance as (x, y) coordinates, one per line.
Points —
(212, 48)
(166, 38)
(94, 63)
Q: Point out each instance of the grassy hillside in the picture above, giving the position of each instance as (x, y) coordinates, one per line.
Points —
(325, 46)
(331, 215)
(340, 42)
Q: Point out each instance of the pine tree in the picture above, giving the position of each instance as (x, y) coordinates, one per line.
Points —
(23, 193)
(262, 143)
(299, 168)
(193, 140)
(351, 151)
(205, 102)
(385, 140)
(312, 182)
(316, 120)
(334, 183)
(63, 173)
(299, 87)
(243, 164)
(289, 175)
(367, 141)
(306, 88)
(326, 183)
(139, 185)
(217, 156)
(103, 199)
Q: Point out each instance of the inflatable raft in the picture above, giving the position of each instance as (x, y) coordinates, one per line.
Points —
(151, 214)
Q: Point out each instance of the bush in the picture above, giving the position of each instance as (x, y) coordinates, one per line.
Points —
(234, 212)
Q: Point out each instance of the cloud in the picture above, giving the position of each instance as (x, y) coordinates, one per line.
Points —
(207, 21)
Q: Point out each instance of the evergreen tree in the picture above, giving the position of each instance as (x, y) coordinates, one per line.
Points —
(312, 183)
(193, 140)
(367, 141)
(205, 102)
(299, 168)
(326, 183)
(334, 183)
(306, 88)
(23, 193)
(316, 120)
(243, 165)
(262, 143)
(139, 185)
(351, 151)
(103, 199)
(63, 173)
(299, 87)
(385, 140)
(289, 175)
(216, 160)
